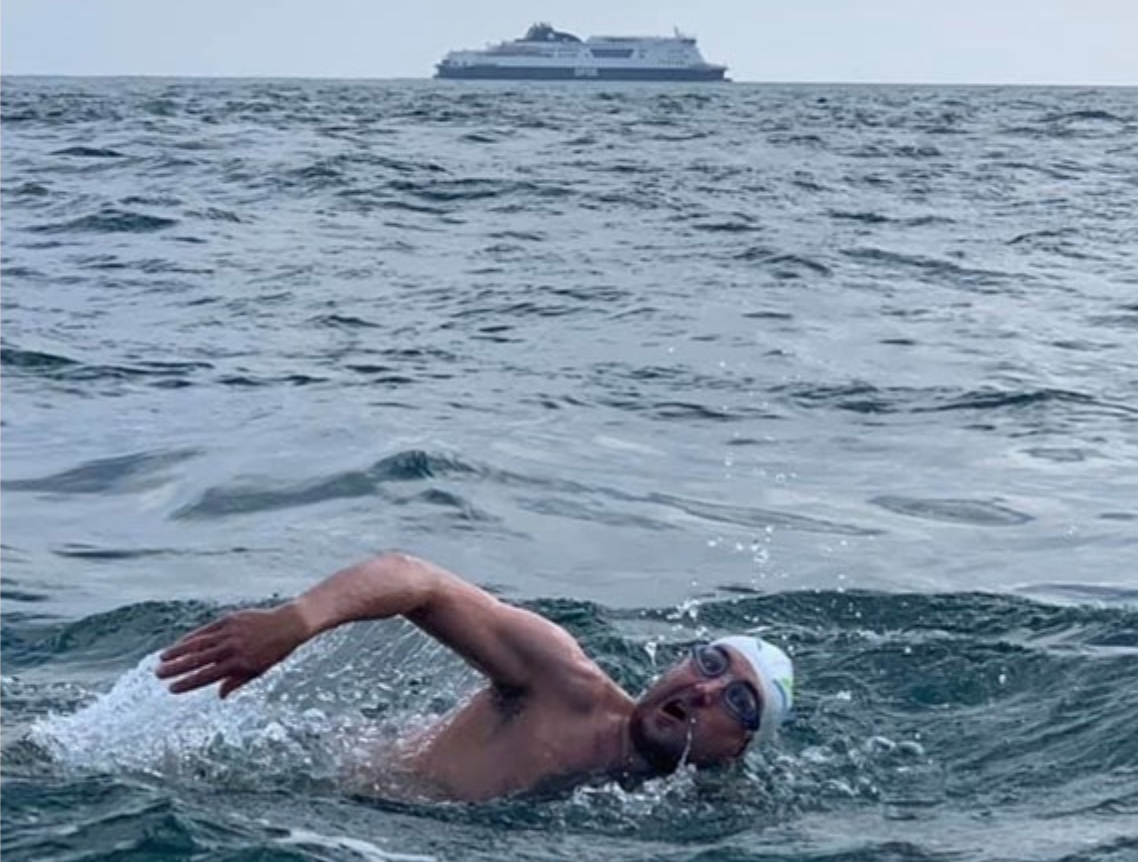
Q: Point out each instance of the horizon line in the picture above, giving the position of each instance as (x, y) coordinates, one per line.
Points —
(586, 84)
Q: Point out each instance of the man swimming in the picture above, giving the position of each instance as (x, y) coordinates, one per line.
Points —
(548, 715)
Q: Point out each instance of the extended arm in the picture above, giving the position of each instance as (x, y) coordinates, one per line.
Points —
(511, 646)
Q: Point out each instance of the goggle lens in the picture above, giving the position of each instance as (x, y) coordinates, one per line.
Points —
(739, 698)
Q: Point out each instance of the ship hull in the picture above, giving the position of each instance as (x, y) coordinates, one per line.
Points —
(473, 72)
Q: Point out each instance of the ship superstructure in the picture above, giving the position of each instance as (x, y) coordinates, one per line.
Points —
(544, 53)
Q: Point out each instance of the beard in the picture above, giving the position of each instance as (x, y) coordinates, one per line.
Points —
(664, 753)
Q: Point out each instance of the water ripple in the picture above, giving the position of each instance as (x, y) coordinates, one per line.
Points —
(981, 513)
(109, 220)
(124, 474)
(847, 354)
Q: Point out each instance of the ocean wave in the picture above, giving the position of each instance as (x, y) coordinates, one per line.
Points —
(58, 367)
(656, 357)
(29, 190)
(930, 267)
(407, 466)
(109, 220)
(865, 397)
(996, 671)
(876, 218)
(980, 513)
(257, 381)
(473, 188)
(90, 153)
(785, 265)
(992, 399)
(124, 474)
(909, 707)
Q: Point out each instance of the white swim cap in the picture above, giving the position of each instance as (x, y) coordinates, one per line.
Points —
(776, 676)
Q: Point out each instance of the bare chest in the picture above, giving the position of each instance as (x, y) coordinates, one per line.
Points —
(490, 748)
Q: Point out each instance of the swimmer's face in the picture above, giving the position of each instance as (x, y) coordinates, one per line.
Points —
(702, 711)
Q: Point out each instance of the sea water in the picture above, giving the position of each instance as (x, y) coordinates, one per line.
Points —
(853, 367)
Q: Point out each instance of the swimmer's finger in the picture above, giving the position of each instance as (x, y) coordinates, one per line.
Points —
(205, 676)
(200, 631)
(199, 636)
(184, 663)
(188, 645)
(232, 684)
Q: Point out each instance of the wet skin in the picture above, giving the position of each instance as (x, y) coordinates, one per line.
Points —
(548, 714)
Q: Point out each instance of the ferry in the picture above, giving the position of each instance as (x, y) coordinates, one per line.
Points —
(546, 54)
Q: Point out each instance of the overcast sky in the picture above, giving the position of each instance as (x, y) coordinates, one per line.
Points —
(921, 41)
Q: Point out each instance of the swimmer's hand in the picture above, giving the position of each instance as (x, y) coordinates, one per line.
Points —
(233, 650)
(516, 649)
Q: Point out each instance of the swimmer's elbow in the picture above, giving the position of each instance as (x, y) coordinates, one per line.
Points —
(413, 584)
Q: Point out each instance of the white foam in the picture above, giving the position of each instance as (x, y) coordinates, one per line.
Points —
(138, 725)
(342, 842)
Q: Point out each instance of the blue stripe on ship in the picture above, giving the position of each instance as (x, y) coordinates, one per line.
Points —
(570, 73)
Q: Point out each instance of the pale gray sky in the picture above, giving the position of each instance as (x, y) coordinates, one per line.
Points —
(933, 41)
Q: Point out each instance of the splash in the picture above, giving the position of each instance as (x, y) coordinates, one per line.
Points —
(139, 726)
(355, 846)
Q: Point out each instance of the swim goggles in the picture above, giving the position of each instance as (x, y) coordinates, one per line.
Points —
(740, 698)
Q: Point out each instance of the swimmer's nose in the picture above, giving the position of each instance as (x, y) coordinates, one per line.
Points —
(708, 690)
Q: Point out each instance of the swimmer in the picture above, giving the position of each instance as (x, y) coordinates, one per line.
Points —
(547, 716)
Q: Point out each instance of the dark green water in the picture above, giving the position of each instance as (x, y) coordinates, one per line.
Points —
(929, 727)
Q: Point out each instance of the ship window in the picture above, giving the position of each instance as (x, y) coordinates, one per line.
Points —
(612, 52)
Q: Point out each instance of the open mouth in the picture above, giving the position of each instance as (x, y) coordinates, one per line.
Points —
(675, 709)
